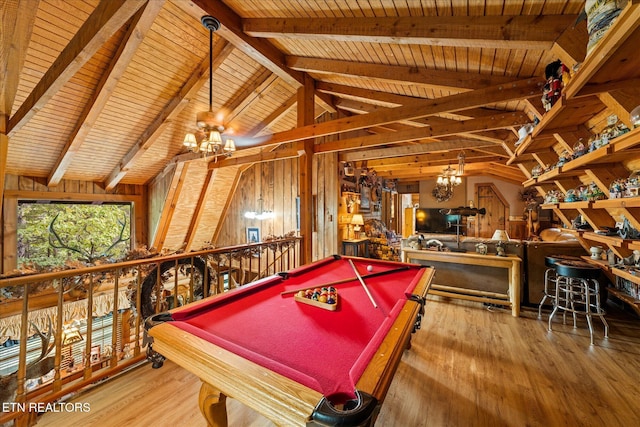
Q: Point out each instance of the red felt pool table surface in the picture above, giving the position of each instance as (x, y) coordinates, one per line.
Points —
(326, 351)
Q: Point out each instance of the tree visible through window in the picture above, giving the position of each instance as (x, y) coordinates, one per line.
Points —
(55, 234)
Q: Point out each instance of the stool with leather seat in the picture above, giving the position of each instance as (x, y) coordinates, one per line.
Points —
(577, 291)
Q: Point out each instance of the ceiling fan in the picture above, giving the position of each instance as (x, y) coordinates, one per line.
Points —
(208, 137)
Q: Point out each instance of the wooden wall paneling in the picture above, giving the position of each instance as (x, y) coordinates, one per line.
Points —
(228, 210)
(280, 192)
(187, 198)
(158, 190)
(177, 180)
(9, 234)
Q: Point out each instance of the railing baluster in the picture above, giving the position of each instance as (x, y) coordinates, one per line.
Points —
(115, 323)
(87, 348)
(234, 261)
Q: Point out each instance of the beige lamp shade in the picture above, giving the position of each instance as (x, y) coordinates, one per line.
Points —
(357, 220)
(500, 235)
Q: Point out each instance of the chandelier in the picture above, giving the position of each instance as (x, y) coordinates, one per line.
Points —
(448, 179)
(261, 214)
(208, 138)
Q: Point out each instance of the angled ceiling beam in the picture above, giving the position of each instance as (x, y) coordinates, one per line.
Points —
(434, 79)
(14, 40)
(137, 29)
(275, 115)
(187, 93)
(385, 99)
(106, 19)
(261, 51)
(508, 32)
(417, 134)
(477, 98)
(261, 82)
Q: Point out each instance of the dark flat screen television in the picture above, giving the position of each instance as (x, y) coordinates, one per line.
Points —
(430, 220)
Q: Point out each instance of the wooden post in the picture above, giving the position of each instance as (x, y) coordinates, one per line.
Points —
(306, 117)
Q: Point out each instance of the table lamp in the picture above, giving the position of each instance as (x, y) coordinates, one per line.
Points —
(500, 235)
(357, 221)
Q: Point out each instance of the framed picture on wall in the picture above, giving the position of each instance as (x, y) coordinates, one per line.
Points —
(253, 234)
(365, 198)
(95, 354)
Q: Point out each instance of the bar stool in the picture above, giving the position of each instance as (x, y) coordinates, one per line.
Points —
(550, 278)
(578, 292)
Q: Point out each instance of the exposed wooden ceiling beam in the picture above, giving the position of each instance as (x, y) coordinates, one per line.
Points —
(504, 173)
(373, 96)
(106, 19)
(408, 150)
(261, 51)
(15, 35)
(417, 134)
(136, 31)
(261, 157)
(188, 92)
(509, 32)
(427, 159)
(434, 79)
(477, 98)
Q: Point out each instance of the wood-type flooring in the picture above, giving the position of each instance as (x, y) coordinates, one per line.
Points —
(469, 365)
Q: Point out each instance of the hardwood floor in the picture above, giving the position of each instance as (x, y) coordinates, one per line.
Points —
(469, 365)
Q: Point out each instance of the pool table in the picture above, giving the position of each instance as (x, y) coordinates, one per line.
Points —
(296, 363)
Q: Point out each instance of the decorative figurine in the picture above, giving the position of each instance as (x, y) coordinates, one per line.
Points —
(481, 248)
(500, 250)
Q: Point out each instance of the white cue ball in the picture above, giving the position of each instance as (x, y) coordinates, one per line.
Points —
(369, 267)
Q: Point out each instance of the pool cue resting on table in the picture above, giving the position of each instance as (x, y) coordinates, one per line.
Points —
(355, 270)
(349, 279)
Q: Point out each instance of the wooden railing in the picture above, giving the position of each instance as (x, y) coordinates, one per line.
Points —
(75, 305)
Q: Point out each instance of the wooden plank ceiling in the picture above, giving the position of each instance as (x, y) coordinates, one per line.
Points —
(105, 91)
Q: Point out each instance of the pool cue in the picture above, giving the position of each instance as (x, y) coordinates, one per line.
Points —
(350, 279)
(355, 270)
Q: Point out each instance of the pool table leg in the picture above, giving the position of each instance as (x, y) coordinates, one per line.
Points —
(213, 405)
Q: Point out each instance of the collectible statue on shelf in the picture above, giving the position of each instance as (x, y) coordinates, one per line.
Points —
(552, 90)
(614, 129)
(617, 188)
(571, 196)
(553, 196)
(627, 231)
(536, 171)
(579, 149)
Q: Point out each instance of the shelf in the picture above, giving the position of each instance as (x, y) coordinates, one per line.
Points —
(582, 204)
(628, 299)
(625, 202)
(610, 63)
(612, 241)
(609, 60)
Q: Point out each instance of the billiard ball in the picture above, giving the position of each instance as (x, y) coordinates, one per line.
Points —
(369, 267)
